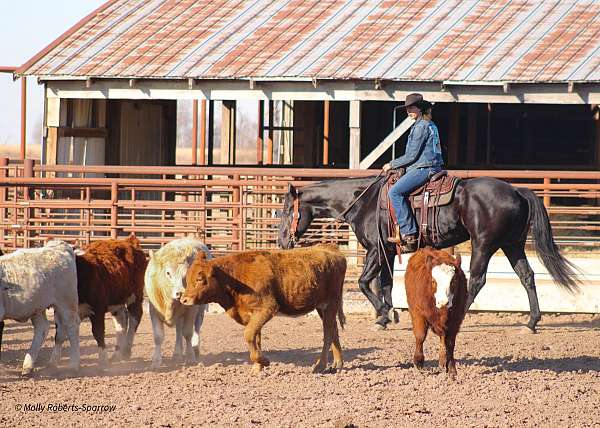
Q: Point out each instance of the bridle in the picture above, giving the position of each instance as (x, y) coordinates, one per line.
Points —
(295, 219)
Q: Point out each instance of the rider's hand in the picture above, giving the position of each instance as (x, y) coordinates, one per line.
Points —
(387, 167)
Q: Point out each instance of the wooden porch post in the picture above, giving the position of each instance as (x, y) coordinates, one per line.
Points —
(261, 133)
(203, 132)
(228, 129)
(195, 132)
(354, 134)
(325, 132)
(270, 135)
(211, 132)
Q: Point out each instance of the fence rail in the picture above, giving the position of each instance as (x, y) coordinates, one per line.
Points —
(231, 208)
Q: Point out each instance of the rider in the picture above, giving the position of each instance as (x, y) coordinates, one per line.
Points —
(422, 159)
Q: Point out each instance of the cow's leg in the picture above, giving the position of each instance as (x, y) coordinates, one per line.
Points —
(60, 334)
(40, 330)
(178, 351)
(68, 326)
(198, 320)
(97, 319)
(188, 331)
(518, 260)
(252, 330)
(134, 312)
(1, 331)
(443, 354)
(450, 340)
(420, 331)
(158, 333)
(120, 319)
(336, 348)
(329, 314)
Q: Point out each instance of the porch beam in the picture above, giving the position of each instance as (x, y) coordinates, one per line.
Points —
(386, 143)
(354, 121)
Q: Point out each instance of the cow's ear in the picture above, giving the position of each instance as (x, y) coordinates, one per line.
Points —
(292, 190)
(201, 257)
(429, 262)
(457, 261)
(151, 254)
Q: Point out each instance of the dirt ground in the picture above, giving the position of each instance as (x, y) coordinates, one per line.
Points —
(506, 377)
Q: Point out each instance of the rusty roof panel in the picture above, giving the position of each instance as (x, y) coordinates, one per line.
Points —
(417, 40)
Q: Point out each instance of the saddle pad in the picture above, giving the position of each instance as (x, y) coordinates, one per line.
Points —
(448, 187)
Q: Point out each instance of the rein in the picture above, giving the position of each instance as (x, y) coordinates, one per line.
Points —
(342, 216)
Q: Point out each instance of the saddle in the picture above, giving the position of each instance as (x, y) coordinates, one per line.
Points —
(425, 202)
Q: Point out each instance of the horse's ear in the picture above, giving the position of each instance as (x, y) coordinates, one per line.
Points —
(292, 190)
(458, 261)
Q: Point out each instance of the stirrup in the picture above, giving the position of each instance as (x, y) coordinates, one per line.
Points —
(396, 239)
(410, 244)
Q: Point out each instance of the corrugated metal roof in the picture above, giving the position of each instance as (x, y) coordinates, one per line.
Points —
(417, 40)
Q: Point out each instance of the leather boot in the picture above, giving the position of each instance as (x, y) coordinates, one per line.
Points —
(396, 239)
(410, 243)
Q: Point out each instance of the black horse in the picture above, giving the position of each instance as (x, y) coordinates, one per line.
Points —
(491, 213)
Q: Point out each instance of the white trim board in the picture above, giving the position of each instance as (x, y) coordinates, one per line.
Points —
(504, 292)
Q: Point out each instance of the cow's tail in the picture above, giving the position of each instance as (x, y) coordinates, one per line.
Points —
(561, 269)
(340, 314)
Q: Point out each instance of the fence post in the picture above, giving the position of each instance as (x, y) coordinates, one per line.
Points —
(546, 190)
(3, 174)
(27, 215)
(114, 196)
(237, 236)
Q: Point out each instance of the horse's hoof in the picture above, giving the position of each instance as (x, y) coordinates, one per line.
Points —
(379, 327)
(527, 330)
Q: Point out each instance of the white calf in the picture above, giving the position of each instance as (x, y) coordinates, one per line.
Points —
(34, 279)
(164, 284)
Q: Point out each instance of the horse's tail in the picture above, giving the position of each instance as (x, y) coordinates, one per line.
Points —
(561, 269)
(340, 312)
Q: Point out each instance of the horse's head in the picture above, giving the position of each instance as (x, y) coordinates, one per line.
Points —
(296, 216)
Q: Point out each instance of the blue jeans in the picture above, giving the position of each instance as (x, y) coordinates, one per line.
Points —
(399, 192)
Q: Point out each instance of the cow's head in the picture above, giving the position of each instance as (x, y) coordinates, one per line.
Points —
(445, 271)
(295, 218)
(202, 284)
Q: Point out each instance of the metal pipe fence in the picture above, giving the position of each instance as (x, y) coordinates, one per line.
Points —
(230, 208)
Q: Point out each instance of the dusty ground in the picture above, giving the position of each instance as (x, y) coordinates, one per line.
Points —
(505, 378)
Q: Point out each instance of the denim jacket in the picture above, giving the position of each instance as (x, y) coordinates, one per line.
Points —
(423, 148)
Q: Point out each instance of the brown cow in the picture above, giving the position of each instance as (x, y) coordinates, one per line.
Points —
(436, 291)
(254, 286)
(110, 278)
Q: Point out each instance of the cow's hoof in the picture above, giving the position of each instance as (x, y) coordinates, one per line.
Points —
(116, 357)
(319, 368)
(256, 368)
(27, 371)
(395, 316)
(177, 358)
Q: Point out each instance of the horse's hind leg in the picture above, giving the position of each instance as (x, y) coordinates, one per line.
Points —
(40, 330)
(518, 260)
(1, 331)
(480, 258)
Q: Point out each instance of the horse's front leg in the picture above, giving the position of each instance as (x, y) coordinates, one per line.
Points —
(370, 271)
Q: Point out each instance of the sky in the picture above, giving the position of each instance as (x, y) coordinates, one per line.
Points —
(26, 27)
